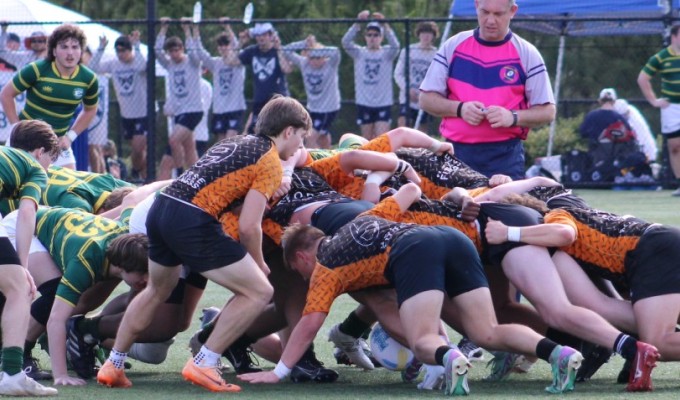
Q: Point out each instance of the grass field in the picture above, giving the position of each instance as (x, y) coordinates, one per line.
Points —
(164, 381)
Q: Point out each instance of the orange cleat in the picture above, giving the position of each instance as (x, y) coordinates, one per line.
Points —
(209, 377)
(110, 376)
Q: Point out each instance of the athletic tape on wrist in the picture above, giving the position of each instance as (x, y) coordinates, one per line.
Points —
(72, 135)
(281, 370)
(514, 234)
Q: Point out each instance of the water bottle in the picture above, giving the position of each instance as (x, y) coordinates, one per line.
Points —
(198, 11)
(248, 13)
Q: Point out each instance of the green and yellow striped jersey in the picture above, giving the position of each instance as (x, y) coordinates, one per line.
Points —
(77, 242)
(21, 176)
(53, 98)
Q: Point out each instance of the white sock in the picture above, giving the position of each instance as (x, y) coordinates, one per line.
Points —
(117, 358)
(207, 357)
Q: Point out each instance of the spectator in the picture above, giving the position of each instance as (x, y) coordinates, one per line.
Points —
(612, 145)
(597, 122)
(128, 71)
(13, 42)
(637, 121)
(420, 56)
(228, 102)
(268, 65)
(66, 44)
(36, 46)
(372, 74)
(319, 67)
(666, 63)
(184, 96)
(490, 86)
(98, 130)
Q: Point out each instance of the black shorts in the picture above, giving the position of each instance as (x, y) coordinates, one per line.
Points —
(434, 258)
(231, 121)
(196, 280)
(405, 110)
(652, 267)
(189, 120)
(510, 215)
(134, 127)
(321, 122)
(368, 115)
(8, 256)
(182, 234)
(330, 217)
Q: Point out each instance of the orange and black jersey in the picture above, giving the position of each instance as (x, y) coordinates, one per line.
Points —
(603, 239)
(428, 212)
(557, 197)
(440, 174)
(354, 258)
(220, 179)
(306, 187)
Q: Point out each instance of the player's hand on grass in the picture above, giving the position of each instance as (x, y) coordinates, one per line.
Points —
(259, 377)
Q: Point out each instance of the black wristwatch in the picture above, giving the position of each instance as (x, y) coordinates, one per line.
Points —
(515, 118)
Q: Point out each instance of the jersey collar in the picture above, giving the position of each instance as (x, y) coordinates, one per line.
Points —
(492, 44)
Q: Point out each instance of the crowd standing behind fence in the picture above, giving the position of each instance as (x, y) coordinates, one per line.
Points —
(576, 97)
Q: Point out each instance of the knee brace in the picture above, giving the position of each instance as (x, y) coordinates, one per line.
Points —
(41, 308)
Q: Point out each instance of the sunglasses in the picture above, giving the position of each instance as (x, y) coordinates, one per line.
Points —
(121, 49)
(372, 35)
(38, 40)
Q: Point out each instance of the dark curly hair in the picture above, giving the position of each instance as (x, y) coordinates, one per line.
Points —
(64, 32)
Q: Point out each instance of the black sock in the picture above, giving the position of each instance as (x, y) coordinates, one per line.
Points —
(206, 331)
(309, 354)
(354, 326)
(544, 348)
(28, 349)
(563, 338)
(626, 346)
(367, 333)
(243, 341)
(440, 353)
(91, 326)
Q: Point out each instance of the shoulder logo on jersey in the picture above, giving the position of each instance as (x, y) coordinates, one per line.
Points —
(78, 93)
(365, 233)
(217, 154)
(509, 74)
(263, 67)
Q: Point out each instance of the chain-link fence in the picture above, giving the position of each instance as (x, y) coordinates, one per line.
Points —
(590, 64)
